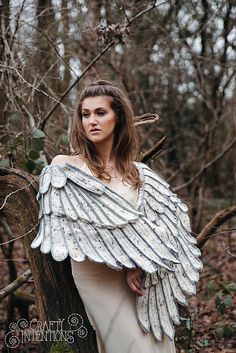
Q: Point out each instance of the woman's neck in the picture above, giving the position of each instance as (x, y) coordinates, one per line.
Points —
(105, 153)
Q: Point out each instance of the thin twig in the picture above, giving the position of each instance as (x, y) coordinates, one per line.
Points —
(15, 191)
(20, 236)
(206, 165)
(30, 85)
(109, 45)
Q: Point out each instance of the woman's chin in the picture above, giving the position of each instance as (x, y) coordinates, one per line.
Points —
(96, 139)
(99, 140)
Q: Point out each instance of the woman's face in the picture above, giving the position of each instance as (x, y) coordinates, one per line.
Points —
(98, 119)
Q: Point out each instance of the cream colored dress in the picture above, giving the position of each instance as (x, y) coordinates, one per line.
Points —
(109, 302)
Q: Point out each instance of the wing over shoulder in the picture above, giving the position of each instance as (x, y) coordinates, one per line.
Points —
(157, 309)
(82, 217)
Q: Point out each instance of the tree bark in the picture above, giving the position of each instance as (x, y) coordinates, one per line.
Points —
(55, 291)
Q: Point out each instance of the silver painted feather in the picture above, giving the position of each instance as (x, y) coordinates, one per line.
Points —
(157, 309)
(81, 216)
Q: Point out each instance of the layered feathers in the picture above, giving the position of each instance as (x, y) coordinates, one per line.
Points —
(157, 309)
(81, 216)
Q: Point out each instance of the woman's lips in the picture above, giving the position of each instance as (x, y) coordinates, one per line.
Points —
(94, 130)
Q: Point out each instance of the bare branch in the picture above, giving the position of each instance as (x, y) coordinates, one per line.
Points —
(123, 29)
(147, 118)
(207, 165)
(20, 236)
(154, 151)
(75, 82)
(8, 67)
(15, 284)
(219, 218)
(14, 192)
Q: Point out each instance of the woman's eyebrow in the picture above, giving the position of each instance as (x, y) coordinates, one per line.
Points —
(98, 108)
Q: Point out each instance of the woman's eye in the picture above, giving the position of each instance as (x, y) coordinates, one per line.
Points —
(86, 115)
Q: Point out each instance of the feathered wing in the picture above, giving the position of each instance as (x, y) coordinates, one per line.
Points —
(157, 309)
(81, 217)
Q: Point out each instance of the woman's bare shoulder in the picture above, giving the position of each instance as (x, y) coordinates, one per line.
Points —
(62, 158)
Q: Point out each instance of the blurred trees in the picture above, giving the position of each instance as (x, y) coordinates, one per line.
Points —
(177, 60)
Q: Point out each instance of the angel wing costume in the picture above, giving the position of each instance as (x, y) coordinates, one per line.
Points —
(84, 218)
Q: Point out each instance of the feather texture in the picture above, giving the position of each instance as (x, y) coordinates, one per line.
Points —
(157, 309)
(81, 216)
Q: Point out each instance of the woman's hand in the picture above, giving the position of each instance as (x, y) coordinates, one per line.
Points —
(133, 278)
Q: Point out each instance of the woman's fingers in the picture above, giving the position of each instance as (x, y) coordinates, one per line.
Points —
(135, 289)
(134, 280)
(135, 286)
(139, 292)
(137, 283)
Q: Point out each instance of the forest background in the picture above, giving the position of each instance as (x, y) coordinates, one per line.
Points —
(174, 58)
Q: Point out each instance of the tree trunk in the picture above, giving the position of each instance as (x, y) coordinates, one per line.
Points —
(55, 291)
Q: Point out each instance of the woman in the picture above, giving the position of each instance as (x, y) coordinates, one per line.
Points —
(129, 264)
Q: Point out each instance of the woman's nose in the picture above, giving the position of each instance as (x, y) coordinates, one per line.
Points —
(93, 119)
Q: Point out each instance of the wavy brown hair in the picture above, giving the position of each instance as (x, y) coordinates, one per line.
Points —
(125, 145)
